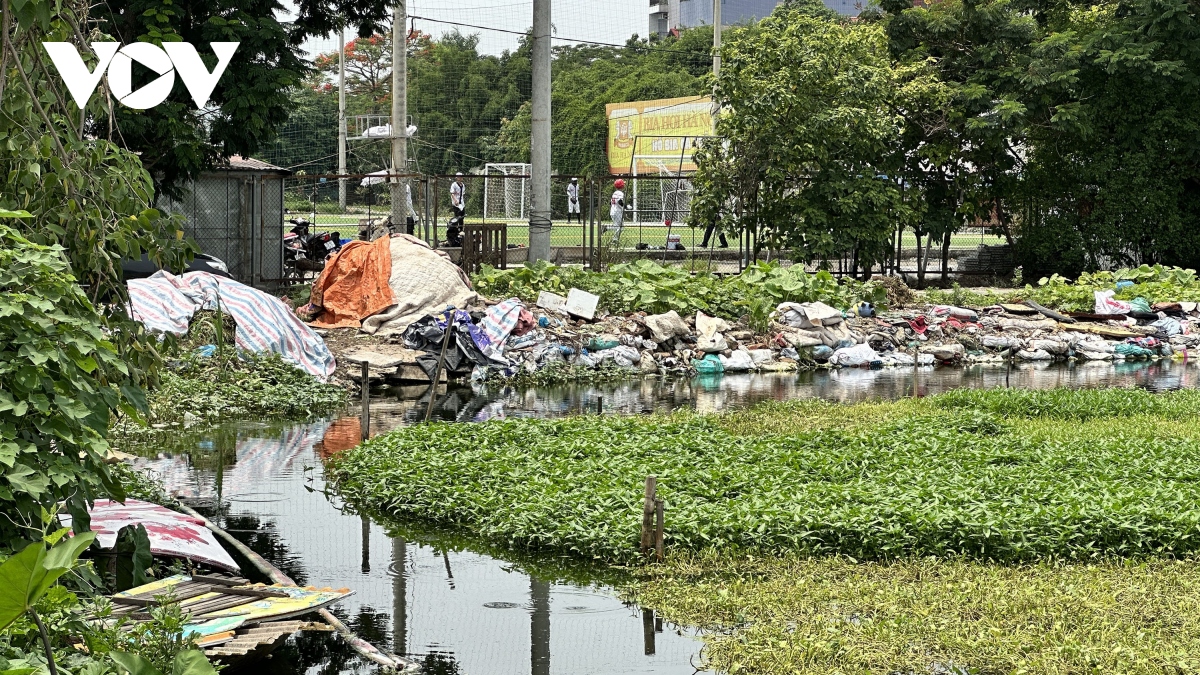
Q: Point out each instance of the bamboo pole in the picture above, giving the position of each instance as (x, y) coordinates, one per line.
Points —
(365, 415)
(364, 648)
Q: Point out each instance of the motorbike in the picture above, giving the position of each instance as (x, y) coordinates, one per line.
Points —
(307, 251)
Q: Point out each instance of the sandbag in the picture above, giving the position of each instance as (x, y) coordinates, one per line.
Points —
(739, 361)
(857, 355)
(709, 329)
(807, 314)
(664, 327)
(1035, 355)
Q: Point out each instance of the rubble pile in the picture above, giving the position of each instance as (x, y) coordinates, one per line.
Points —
(508, 338)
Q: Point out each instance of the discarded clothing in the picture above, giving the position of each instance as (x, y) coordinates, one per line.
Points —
(264, 323)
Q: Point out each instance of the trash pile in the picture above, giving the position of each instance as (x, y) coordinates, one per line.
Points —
(508, 338)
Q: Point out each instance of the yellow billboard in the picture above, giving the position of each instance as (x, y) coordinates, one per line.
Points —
(661, 135)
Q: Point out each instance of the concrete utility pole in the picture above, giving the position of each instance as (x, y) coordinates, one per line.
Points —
(399, 112)
(716, 108)
(342, 118)
(539, 142)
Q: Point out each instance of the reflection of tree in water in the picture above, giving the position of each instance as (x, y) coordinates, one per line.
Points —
(439, 664)
(263, 539)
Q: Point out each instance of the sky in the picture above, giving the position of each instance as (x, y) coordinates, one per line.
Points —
(596, 20)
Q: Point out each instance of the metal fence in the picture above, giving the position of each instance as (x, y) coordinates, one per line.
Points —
(236, 217)
(658, 225)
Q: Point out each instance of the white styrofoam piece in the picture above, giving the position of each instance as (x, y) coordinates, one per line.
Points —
(581, 303)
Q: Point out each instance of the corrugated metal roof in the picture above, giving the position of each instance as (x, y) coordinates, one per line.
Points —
(239, 163)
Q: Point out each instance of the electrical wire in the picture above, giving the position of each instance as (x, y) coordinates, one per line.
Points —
(707, 55)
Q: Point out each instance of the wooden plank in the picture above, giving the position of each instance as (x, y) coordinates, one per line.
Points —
(254, 592)
(220, 581)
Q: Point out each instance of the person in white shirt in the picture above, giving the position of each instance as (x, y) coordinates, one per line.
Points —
(616, 210)
(573, 201)
(458, 196)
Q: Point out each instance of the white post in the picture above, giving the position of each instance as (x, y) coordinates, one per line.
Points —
(539, 212)
(342, 118)
(399, 112)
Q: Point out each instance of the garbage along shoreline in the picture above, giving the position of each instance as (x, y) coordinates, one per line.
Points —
(513, 341)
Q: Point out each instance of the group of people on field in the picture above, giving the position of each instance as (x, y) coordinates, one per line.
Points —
(616, 212)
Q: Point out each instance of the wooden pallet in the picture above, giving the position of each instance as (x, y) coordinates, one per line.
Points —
(263, 636)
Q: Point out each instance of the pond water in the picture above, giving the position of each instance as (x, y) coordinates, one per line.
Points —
(458, 610)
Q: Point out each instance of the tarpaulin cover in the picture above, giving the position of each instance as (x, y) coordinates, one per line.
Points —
(165, 302)
(423, 281)
(354, 284)
(171, 533)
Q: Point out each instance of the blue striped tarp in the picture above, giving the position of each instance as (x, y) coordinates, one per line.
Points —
(165, 302)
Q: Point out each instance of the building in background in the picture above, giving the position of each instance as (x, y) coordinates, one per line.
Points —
(669, 15)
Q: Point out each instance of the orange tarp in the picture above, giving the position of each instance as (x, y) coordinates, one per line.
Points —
(354, 284)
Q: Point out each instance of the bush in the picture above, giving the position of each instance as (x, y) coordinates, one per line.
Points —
(60, 381)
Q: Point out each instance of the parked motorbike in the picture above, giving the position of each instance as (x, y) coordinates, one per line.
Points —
(307, 251)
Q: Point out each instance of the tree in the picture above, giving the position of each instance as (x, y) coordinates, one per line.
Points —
(809, 139)
(368, 64)
(176, 141)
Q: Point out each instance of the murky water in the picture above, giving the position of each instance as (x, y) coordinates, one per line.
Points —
(460, 611)
(454, 611)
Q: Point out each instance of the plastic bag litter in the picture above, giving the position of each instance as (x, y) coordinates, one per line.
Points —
(1052, 346)
(621, 355)
(807, 314)
(789, 353)
(710, 364)
(925, 359)
(585, 360)
(602, 342)
(664, 327)
(1089, 355)
(898, 359)
(1106, 304)
(1141, 305)
(709, 329)
(761, 356)
(739, 361)
(961, 313)
(857, 355)
(1035, 355)
(821, 353)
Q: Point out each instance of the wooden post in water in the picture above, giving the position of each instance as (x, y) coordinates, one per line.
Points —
(648, 515)
(658, 529)
(599, 405)
(648, 631)
(365, 415)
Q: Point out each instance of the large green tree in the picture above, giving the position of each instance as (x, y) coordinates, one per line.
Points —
(809, 139)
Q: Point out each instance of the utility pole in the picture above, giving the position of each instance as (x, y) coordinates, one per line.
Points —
(342, 118)
(716, 107)
(399, 112)
(539, 142)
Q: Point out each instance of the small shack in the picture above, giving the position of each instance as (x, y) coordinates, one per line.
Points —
(235, 212)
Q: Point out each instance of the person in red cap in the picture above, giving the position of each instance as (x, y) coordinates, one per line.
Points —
(616, 210)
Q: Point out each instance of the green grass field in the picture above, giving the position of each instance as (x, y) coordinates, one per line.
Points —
(654, 234)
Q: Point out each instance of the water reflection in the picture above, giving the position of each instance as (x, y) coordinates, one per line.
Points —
(459, 611)
(411, 596)
(399, 406)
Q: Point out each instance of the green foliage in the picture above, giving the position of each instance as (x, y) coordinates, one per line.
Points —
(946, 476)
(812, 616)
(809, 139)
(241, 385)
(26, 576)
(644, 285)
(1154, 283)
(188, 662)
(61, 377)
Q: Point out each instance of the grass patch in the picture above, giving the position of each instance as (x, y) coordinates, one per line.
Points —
(993, 475)
(245, 387)
(834, 615)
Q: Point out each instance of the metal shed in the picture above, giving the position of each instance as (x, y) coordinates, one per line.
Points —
(235, 212)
